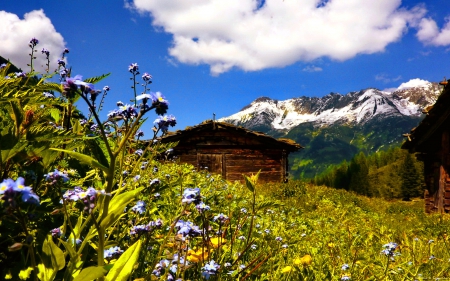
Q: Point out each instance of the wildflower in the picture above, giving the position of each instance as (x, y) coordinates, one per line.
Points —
(139, 152)
(430, 241)
(136, 178)
(119, 103)
(139, 229)
(287, 269)
(65, 51)
(220, 218)
(267, 231)
(244, 210)
(146, 77)
(202, 207)
(242, 238)
(133, 68)
(62, 63)
(106, 88)
(345, 277)
(10, 189)
(253, 246)
(217, 241)
(345, 266)
(432, 257)
(209, 269)
(139, 207)
(305, 260)
(34, 42)
(46, 52)
(278, 238)
(55, 176)
(155, 182)
(21, 74)
(160, 103)
(112, 252)
(389, 249)
(163, 122)
(187, 229)
(72, 84)
(285, 246)
(139, 133)
(191, 195)
(56, 232)
(3, 65)
(48, 95)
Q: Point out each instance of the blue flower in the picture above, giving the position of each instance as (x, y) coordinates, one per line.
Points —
(191, 195)
(209, 269)
(345, 278)
(112, 252)
(345, 266)
(220, 218)
(202, 207)
(46, 52)
(139, 152)
(139, 207)
(3, 65)
(48, 95)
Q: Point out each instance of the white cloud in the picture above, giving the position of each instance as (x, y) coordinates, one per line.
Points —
(15, 36)
(240, 33)
(312, 68)
(430, 34)
(386, 78)
(417, 82)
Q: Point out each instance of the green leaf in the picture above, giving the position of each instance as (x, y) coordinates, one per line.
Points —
(90, 273)
(123, 267)
(96, 79)
(249, 184)
(84, 159)
(54, 112)
(117, 205)
(53, 254)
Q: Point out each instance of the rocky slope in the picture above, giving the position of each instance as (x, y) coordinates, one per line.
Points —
(335, 127)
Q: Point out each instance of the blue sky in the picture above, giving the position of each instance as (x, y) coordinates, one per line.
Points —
(216, 56)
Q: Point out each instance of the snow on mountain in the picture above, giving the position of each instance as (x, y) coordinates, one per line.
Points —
(355, 107)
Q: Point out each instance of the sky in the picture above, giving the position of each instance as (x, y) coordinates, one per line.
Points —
(217, 56)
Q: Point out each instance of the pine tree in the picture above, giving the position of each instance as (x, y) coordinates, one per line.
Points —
(410, 186)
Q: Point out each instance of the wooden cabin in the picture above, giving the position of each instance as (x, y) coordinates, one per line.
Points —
(430, 141)
(232, 151)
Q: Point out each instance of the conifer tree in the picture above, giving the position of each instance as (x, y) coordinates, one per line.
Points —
(410, 186)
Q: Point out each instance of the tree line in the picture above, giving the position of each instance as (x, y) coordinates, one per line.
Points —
(393, 173)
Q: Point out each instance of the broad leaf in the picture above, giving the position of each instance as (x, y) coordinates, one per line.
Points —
(117, 206)
(123, 267)
(84, 159)
(90, 273)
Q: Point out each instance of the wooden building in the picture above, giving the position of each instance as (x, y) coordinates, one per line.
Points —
(430, 141)
(232, 151)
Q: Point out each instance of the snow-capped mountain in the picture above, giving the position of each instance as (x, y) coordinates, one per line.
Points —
(352, 108)
(335, 127)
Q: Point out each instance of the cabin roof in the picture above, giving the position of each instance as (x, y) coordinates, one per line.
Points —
(436, 116)
(210, 125)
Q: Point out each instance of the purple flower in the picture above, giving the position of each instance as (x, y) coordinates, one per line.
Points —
(3, 65)
(10, 189)
(46, 52)
(54, 177)
(155, 182)
(65, 51)
(139, 134)
(278, 238)
(34, 42)
(187, 229)
(389, 249)
(139, 152)
(106, 88)
(62, 64)
(56, 232)
(345, 266)
(21, 74)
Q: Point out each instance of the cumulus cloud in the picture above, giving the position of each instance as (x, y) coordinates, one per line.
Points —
(416, 82)
(16, 33)
(257, 34)
(430, 34)
(312, 68)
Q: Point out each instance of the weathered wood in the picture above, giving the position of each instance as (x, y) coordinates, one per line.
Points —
(253, 168)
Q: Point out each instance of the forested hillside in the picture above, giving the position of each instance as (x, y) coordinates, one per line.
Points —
(394, 173)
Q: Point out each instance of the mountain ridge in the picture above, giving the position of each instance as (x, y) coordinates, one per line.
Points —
(365, 120)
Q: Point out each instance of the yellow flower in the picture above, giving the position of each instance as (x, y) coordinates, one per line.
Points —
(216, 242)
(287, 269)
(196, 256)
(330, 245)
(305, 260)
